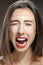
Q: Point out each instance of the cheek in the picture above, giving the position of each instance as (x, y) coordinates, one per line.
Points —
(12, 32)
(31, 31)
(14, 29)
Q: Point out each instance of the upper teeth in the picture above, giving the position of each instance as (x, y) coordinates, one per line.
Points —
(20, 39)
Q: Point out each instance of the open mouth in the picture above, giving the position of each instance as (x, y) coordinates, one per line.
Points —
(21, 42)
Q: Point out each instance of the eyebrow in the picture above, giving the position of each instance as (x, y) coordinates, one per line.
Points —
(14, 20)
(28, 21)
(18, 21)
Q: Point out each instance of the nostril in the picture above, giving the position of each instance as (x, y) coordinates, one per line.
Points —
(20, 34)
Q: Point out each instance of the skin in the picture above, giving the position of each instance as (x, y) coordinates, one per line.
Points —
(22, 27)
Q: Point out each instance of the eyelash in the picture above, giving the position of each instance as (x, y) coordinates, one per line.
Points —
(28, 24)
(17, 23)
(14, 23)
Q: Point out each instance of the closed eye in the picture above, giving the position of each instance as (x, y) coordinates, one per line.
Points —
(14, 23)
(28, 24)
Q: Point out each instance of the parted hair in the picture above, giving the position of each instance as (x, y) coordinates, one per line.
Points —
(37, 45)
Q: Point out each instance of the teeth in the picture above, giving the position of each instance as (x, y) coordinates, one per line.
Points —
(20, 39)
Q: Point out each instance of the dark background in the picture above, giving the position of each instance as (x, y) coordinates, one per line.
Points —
(4, 4)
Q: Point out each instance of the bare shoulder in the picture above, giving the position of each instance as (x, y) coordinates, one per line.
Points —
(39, 62)
(2, 62)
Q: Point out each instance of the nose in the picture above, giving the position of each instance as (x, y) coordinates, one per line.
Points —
(21, 29)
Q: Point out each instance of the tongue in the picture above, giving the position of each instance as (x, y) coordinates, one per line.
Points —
(21, 42)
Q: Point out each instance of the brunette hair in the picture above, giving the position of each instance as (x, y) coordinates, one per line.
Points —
(7, 47)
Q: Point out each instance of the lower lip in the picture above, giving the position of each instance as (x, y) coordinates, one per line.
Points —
(21, 45)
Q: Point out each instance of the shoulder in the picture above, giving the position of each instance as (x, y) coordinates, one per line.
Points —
(39, 62)
(2, 61)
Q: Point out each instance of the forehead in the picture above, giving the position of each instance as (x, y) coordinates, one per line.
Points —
(22, 13)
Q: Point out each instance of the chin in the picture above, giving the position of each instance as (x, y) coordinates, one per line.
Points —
(21, 50)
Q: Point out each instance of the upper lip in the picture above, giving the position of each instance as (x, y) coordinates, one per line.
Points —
(21, 37)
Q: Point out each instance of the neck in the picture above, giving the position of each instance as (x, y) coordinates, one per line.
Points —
(22, 57)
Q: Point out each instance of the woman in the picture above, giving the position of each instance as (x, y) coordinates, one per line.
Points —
(22, 35)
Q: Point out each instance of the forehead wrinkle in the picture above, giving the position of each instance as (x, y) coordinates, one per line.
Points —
(23, 14)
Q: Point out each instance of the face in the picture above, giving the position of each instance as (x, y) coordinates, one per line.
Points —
(22, 29)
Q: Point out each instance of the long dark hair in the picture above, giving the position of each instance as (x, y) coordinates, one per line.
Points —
(7, 47)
